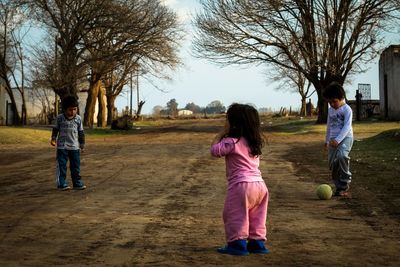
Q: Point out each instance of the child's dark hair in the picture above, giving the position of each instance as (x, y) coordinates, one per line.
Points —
(245, 122)
(69, 101)
(334, 90)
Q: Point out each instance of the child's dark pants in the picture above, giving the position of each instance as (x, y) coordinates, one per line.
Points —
(61, 171)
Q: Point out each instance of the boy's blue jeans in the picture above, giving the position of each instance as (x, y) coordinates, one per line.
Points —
(74, 164)
(339, 163)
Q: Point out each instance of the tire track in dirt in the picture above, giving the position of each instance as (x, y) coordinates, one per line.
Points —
(171, 234)
(157, 201)
(27, 220)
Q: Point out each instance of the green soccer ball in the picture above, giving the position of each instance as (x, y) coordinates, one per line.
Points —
(324, 191)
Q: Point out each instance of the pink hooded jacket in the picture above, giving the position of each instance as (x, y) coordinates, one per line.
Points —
(241, 166)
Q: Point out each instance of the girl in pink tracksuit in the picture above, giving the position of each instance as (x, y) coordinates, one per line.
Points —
(246, 201)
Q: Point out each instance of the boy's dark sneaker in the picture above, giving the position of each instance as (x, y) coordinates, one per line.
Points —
(80, 187)
(342, 193)
(64, 188)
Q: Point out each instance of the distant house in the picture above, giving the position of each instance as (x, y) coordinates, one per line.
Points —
(36, 112)
(39, 106)
(185, 112)
(389, 82)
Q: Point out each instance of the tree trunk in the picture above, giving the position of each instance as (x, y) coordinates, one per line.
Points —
(110, 109)
(303, 110)
(140, 106)
(13, 103)
(322, 107)
(23, 112)
(101, 116)
(91, 102)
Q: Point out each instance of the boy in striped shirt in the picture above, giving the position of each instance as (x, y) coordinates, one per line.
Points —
(69, 136)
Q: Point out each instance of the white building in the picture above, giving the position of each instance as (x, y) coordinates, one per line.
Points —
(34, 101)
(39, 105)
(185, 112)
(389, 82)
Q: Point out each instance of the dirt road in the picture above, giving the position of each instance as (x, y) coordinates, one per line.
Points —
(155, 199)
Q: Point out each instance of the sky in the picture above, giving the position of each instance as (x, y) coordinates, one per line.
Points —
(201, 81)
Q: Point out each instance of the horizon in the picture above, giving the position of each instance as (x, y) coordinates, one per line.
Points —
(201, 81)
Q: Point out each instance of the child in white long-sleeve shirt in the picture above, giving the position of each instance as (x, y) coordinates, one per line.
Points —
(339, 137)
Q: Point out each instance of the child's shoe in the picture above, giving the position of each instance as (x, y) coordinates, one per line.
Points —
(237, 247)
(80, 187)
(78, 184)
(257, 246)
(64, 188)
(342, 193)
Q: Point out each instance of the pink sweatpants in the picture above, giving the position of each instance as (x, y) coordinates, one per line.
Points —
(245, 211)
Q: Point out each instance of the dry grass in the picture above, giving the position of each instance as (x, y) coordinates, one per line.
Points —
(24, 135)
(375, 159)
(376, 164)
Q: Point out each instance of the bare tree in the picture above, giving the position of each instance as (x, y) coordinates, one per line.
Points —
(114, 82)
(172, 107)
(293, 81)
(45, 96)
(139, 34)
(68, 22)
(333, 38)
(44, 71)
(94, 37)
(11, 54)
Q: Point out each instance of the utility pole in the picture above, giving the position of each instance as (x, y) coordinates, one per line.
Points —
(130, 107)
(137, 89)
(55, 73)
(358, 105)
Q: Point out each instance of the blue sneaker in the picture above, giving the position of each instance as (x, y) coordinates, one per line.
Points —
(237, 247)
(257, 246)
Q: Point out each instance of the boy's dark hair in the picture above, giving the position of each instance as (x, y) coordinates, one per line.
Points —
(334, 90)
(69, 101)
(245, 122)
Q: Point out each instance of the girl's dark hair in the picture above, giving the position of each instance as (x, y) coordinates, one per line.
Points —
(69, 101)
(245, 122)
(334, 90)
